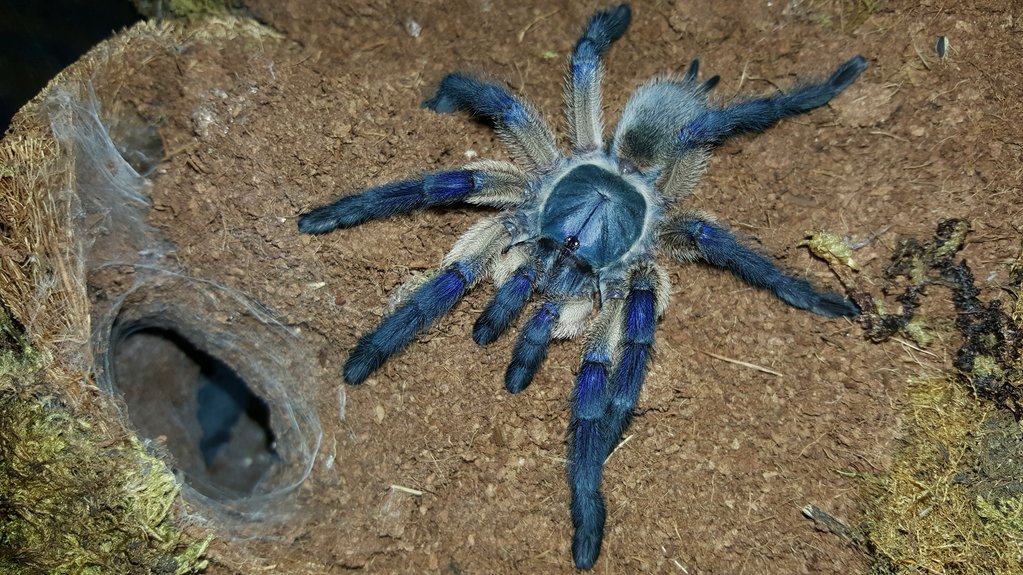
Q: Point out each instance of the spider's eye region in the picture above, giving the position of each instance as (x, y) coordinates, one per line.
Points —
(628, 167)
(571, 243)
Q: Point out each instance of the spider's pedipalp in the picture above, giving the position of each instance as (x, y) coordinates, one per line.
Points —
(473, 254)
(531, 347)
(647, 297)
(486, 183)
(759, 114)
(517, 123)
(505, 306)
(691, 235)
(582, 86)
(575, 315)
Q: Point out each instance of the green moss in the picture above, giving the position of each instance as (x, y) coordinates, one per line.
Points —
(73, 500)
(954, 240)
(985, 365)
(917, 330)
(917, 505)
(831, 248)
(927, 515)
(1004, 520)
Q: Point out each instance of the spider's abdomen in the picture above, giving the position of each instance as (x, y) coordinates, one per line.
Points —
(595, 214)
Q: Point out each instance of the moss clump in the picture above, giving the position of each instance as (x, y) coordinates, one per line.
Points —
(926, 515)
(73, 500)
(952, 501)
(831, 248)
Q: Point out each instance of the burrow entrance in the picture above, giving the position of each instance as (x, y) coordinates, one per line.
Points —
(217, 429)
(217, 383)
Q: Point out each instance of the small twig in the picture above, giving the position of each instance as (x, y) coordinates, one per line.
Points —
(522, 33)
(744, 364)
(617, 447)
(911, 346)
(408, 490)
(922, 59)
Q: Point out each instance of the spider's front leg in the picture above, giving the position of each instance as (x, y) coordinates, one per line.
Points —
(693, 236)
(519, 125)
(486, 183)
(582, 87)
(605, 396)
(463, 267)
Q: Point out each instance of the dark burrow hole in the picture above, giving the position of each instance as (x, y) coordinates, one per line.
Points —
(216, 428)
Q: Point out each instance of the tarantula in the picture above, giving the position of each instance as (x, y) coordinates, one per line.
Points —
(579, 231)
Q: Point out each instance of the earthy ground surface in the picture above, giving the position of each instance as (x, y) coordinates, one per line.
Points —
(721, 457)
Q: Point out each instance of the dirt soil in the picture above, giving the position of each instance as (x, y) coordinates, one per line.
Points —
(721, 457)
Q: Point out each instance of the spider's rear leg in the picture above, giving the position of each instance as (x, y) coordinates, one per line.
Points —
(606, 395)
(582, 86)
(487, 183)
(519, 125)
(692, 236)
(464, 266)
(759, 114)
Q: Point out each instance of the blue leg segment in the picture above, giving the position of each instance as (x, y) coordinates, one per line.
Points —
(586, 461)
(585, 472)
(601, 413)
(505, 306)
(759, 114)
(604, 28)
(521, 126)
(636, 348)
(434, 299)
(720, 248)
(483, 100)
(583, 86)
(531, 348)
(437, 189)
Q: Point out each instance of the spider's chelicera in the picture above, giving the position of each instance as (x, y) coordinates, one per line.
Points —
(580, 233)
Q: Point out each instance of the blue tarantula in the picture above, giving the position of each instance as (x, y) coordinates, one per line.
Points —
(580, 231)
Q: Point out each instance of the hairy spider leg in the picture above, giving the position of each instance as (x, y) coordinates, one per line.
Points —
(531, 347)
(517, 123)
(506, 305)
(586, 458)
(582, 87)
(693, 236)
(646, 300)
(759, 114)
(467, 263)
(601, 413)
(496, 184)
